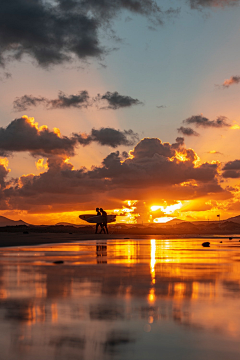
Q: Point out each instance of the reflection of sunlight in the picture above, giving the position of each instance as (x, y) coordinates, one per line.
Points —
(179, 290)
(54, 312)
(151, 295)
(153, 260)
(195, 290)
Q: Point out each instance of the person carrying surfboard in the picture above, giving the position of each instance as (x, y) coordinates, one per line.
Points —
(100, 223)
(104, 215)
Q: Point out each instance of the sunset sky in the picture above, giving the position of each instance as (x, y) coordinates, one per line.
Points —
(129, 105)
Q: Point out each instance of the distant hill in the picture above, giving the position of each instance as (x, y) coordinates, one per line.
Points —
(68, 224)
(8, 222)
(174, 222)
(235, 219)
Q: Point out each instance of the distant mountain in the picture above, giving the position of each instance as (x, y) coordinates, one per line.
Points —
(235, 219)
(8, 222)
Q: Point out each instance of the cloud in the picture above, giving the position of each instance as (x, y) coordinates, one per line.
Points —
(116, 101)
(187, 131)
(233, 80)
(27, 101)
(56, 32)
(215, 152)
(201, 121)
(196, 4)
(80, 100)
(108, 136)
(231, 169)
(161, 106)
(63, 101)
(24, 134)
(154, 170)
(3, 173)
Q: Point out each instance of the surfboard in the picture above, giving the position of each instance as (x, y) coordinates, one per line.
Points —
(96, 219)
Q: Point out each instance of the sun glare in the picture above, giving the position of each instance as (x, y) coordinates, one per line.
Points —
(167, 209)
(162, 220)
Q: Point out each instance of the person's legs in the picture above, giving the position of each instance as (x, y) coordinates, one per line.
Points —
(106, 228)
(102, 229)
(96, 228)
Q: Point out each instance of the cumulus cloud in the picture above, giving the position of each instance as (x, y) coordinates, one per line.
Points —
(196, 4)
(55, 32)
(153, 170)
(231, 169)
(201, 121)
(233, 80)
(81, 100)
(108, 136)
(24, 134)
(187, 131)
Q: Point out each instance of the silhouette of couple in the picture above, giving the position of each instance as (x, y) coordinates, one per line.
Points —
(103, 222)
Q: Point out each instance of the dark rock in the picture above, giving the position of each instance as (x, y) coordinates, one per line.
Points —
(230, 238)
(221, 242)
(58, 262)
(206, 244)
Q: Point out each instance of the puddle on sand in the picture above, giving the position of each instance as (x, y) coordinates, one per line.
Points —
(121, 299)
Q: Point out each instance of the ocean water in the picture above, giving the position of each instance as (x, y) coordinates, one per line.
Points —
(121, 299)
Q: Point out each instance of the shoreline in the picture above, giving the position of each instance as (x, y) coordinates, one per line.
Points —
(34, 239)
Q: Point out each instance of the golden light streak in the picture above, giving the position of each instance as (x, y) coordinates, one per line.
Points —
(153, 259)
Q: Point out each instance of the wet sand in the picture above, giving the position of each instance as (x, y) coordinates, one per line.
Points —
(31, 239)
(122, 299)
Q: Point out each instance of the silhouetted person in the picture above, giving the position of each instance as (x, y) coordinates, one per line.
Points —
(104, 215)
(100, 223)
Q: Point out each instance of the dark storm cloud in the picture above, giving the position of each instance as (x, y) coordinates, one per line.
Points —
(116, 101)
(23, 134)
(201, 121)
(233, 80)
(196, 4)
(187, 131)
(54, 32)
(153, 166)
(231, 169)
(108, 136)
(81, 100)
